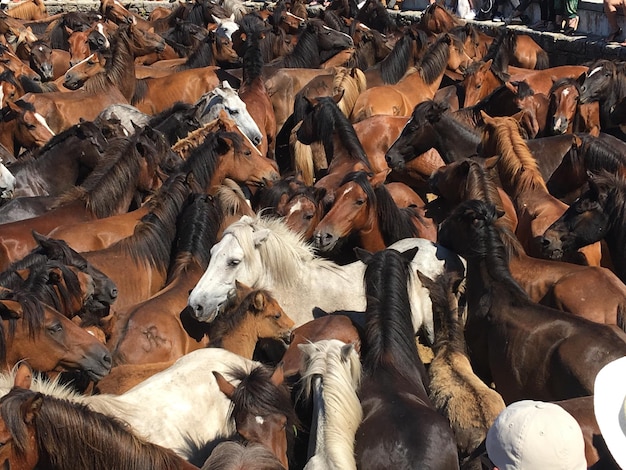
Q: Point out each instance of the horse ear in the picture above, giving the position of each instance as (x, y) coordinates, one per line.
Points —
(226, 85)
(23, 376)
(491, 162)
(39, 238)
(346, 351)
(510, 87)
(243, 37)
(225, 386)
(581, 78)
(260, 236)
(427, 282)
(259, 301)
(487, 65)
(379, 178)
(486, 118)
(410, 254)
(519, 115)
(338, 96)
(278, 377)
(363, 255)
(500, 213)
(10, 310)
(31, 407)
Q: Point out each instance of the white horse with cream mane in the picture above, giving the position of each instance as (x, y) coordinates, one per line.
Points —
(264, 253)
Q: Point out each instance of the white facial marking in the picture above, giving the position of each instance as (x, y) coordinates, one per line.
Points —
(347, 191)
(597, 69)
(296, 16)
(82, 61)
(296, 207)
(1, 98)
(43, 122)
(259, 419)
(565, 92)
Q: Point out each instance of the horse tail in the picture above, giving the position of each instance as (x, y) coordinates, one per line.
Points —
(543, 61)
(302, 158)
(621, 318)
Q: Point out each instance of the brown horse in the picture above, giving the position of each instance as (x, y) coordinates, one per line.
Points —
(49, 340)
(262, 409)
(591, 292)
(41, 430)
(49, 63)
(22, 127)
(437, 19)
(415, 87)
(519, 175)
(529, 351)
(29, 10)
(364, 207)
(567, 114)
(133, 166)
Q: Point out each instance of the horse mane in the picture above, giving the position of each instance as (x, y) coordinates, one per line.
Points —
(269, 197)
(435, 59)
(564, 82)
(341, 377)
(231, 198)
(185, 147)
(615, 186)
(101, 190)
(516, 161)
(283, 252)
(235, 7)
(330, 120)
(154, 234)
(502, 49)
(202, 56)
(116, 67)
(306, 52)
(231, 455)
(389, 332)
(524, 90)
(204, 159)
(353, 82)
(333, 20)
(32, 315)
(43, 288)
(394, 66)
(61, 425)
(598, 154)
(197, 229)
(257, 395)
(375, 15)
(8, 75)
(252, 60)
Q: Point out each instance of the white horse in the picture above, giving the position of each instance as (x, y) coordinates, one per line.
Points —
(265, 253)
(227, 26)
(331, 372)
(7, 182)
(226, 98)
(181, 408)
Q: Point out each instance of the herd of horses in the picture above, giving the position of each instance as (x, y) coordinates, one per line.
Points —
(285, 239)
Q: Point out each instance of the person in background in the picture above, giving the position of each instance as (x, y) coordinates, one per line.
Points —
(532, 435)
(570, 14)
(609, 407)
(610, 10)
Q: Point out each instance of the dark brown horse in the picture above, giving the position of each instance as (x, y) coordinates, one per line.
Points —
(110, 189)
(400, 426)
(529, 351)
(596, 215)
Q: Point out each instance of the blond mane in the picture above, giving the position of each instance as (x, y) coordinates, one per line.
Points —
(517, 166)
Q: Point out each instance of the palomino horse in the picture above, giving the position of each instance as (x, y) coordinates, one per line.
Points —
(41, 430)
(267, 254)
(394, 379)
(529, 351)
(415, 87)
(133, 166)
(596, 215)
(519, 176)
(364, 207)
(262, 409)
(245, 456)
(331, 372)
(49, 340)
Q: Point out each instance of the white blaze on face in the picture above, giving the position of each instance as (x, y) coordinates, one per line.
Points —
(43, 122)
(296, 207)
(597, 69)
(565, 92)
(82, 61)
(347, 191)
(259, 419)
(100, 29)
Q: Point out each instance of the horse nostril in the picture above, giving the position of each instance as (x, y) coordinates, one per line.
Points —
(545, 242)
(107, 359)
(114, 293)
(198, 308)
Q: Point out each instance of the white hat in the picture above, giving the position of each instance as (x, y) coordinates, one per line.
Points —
(530, 435)
(609, 407)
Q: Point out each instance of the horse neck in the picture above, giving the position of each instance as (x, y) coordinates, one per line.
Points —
(455, 140)
(121, 73)
(342, 136)
(306, 53)
(241, 339)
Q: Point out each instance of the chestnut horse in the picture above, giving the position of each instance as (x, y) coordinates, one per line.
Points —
(416, 86)
(48, 339)
(528, 350)
(520, 178)
(364, 207)
(567, 114)
(22, 127)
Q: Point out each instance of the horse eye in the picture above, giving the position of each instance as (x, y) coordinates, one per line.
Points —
(55, 328)
(233, 262)
(91, 62)
(30, 126)
(360, 202)
(478, 85)
(308, 217)
(277, 316)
